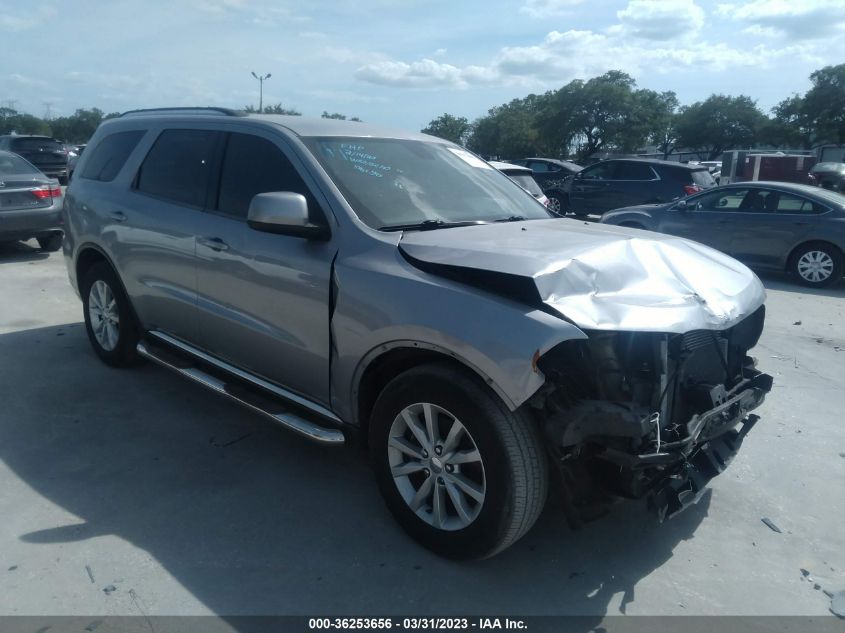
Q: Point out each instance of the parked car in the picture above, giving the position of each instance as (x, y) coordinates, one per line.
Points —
(524, 178)
(828, 175)
(767, 225)
(550, 174)
(47, 154)
(343, 279)
(611, 184)
(30, 204)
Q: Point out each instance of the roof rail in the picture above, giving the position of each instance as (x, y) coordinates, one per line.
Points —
(188, 110)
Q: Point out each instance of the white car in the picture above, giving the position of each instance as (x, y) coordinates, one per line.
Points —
(522, 176)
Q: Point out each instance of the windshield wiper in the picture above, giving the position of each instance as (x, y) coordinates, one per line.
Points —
(512, 218)
(429, 225)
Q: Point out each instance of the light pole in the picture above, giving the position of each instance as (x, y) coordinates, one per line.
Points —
(261, 90)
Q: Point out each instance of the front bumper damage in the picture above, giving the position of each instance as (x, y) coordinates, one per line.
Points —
(675, 477)
(649, 416)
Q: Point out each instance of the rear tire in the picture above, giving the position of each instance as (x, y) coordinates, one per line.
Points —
(817, 264)
(109, 319)
(51, 243)
(486, 503)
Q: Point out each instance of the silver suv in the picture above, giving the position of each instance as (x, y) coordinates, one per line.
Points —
(346, 280)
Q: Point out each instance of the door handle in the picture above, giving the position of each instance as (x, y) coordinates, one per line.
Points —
(118, 216)
(214, 243)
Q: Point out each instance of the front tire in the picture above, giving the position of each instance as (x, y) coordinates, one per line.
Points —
(463, 475)
(817, 265)
(109, 319)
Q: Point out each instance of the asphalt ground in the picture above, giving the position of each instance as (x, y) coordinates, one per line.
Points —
(130, 492)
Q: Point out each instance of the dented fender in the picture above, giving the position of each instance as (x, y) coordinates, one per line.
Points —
(382, 303)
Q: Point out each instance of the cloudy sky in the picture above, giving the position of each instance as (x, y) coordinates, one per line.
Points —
(401, 62)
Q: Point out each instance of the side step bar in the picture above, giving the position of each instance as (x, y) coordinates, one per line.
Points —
(239, 392)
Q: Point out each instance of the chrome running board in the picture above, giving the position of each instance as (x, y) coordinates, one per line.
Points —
(243, 388)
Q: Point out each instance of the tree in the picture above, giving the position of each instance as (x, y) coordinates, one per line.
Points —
(662, 117)
(719, 123)
(13, 121)
(338, 116)
(451, 128)
(824, 103)
(78, 127)
(273, 109)
(790, 126)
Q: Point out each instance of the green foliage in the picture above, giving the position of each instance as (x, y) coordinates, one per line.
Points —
(449, 127)
(78, 127)
(824, 103)
(273, 109)
(338, 116)
(13, 121)
(718, 123)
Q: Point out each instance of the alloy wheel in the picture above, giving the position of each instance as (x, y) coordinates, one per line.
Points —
(104, 315)
(436, 466)
(815, 266)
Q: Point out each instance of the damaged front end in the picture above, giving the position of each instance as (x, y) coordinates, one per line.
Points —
(649, 415)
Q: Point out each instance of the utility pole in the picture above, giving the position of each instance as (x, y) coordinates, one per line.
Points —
(48, 111)
(261, 90)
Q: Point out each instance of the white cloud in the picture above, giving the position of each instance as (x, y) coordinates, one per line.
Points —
(563, 56)
(547, 8)
(661, 20)
(796, 19)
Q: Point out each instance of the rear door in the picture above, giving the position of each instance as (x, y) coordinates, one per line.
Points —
(263, 297)
(633, 183)
(591, 188)
(155, 227)
(765, 238)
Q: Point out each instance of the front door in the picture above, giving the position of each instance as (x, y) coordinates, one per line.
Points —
(263, 298)
(707, 218)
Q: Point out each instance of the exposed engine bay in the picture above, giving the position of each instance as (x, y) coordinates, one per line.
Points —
(649, 414)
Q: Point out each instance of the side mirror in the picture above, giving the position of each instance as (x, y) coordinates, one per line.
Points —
(285, 213)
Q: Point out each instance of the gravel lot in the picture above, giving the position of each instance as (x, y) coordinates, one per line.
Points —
(133, 491)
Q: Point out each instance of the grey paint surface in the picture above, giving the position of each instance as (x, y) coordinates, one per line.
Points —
(602, 277)
(598, 277)
(199, 507)
(762, 240)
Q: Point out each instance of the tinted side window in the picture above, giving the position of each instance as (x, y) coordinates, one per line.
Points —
(602, 171)
(253, 165)
(538, 166)
(726, 200)
(178, 166)
(634, 171)
(785, 203)
(108, 158)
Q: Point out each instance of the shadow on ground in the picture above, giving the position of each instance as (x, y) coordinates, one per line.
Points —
(252, 520)
(11, 252)
(787, 283)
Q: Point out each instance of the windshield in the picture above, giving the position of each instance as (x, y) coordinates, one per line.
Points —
(14, 165)
(30, 144)
(828, 167)
(526, 181)
(394, 182)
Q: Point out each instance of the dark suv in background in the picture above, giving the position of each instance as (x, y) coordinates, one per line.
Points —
(611, 184)
(48, 154)
(550, 174)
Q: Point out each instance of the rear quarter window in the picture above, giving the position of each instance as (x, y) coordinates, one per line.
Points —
(110, 154)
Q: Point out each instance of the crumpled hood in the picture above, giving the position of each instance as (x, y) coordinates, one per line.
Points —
(598, 276)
